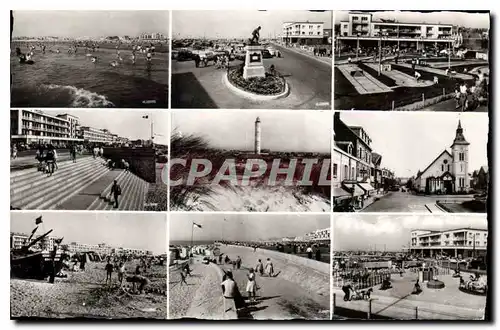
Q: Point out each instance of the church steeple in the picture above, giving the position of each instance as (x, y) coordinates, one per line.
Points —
(459, 136)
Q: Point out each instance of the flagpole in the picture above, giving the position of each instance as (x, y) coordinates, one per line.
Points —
(192, 232)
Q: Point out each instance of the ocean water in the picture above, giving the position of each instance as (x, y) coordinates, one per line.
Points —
(72, 80)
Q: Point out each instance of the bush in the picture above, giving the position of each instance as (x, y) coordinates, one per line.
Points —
(269, 85)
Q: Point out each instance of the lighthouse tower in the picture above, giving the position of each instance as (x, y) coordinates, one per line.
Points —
(257, 136)
(460, 154)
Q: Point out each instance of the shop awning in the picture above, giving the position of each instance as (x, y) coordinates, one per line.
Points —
(341, 194)
(357, 190)
(366, 186)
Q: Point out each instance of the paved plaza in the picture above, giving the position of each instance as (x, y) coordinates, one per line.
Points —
(309, 79)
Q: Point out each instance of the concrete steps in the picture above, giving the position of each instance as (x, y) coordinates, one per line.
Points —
(133, 196)
(31, 189)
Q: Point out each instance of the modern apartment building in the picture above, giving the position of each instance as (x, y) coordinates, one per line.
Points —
(96, 135)
(153, 36)
(303, 33)
(35, 126)
(460, 242)
(363, 25)
(18, 240)
(319, 235)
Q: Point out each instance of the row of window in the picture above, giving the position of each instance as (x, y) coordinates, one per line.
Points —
(350, 175)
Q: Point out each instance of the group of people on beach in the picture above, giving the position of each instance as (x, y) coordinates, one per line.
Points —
(148, 51)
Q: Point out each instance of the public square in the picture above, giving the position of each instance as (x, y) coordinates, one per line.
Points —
(391, 60)
(409, 266)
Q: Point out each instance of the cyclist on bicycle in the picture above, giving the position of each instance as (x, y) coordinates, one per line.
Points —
(50, 159)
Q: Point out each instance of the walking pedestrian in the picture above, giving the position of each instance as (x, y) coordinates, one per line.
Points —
(116, 191)
(269, 268)
(14, 151)
(260, 268)
(121, 272)
(238, 262)
(309, 252)
(109, 271)
(318, 254)
(251, 285)
(183, 278)
(73, 153)
(228, 290)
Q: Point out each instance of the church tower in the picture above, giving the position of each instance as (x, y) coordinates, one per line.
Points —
(460, 154)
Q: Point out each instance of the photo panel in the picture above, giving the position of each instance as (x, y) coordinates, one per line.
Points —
(252, 161)
(91, 265)
(272, 267)
(410, 162)
(410, 267)
(252, 59)
(412, 60)
(90, 59)
(93, 160)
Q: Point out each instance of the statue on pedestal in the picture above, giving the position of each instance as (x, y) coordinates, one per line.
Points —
(255, 37)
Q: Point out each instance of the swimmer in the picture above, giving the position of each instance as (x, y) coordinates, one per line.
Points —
(28, 56)
(114, 63)
(57, 51)
(148, 57)
(152, 49)
(94, 59)
(133, 58)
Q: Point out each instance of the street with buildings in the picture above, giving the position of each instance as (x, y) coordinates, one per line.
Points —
(298, 51)
(425, 267)
(401, 61)
(453, 181)
(276, 263)
(69, 265)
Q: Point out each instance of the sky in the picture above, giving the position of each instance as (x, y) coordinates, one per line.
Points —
(73, 23)
(409, 142)
(364, 231)
(472, 20)
(129, 124)
(129, 230)
(239, 23)
(298, 131)
(243, 227)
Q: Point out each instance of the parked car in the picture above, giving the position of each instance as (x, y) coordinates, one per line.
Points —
(266, 54)
(271, 51)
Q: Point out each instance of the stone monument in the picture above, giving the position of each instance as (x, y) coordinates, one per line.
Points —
(254, 65)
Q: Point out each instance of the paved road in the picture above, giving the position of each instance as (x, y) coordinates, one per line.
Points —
(406, 202)
(310, 83)
(277, 298)
(449, 105)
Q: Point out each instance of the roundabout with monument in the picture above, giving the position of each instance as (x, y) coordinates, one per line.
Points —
(250, 80)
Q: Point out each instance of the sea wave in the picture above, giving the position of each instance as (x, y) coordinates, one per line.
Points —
(82, 98)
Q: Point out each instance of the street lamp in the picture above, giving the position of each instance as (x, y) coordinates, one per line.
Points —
(380, 53)
(357, 46)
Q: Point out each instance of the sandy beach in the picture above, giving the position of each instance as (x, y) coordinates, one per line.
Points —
(84, 294)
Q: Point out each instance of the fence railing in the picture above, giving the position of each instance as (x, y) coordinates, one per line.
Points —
(361, 283)
(372, 308)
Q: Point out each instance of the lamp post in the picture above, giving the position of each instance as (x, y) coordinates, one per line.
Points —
(357, 46)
